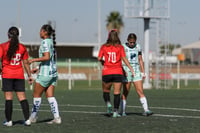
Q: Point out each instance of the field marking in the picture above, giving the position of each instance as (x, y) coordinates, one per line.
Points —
(99, 106)
(93, 112)
(94, 106)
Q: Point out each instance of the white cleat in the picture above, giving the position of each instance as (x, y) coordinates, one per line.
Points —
(33, 120)
(55, 120)
(27, 123)
(7, 123)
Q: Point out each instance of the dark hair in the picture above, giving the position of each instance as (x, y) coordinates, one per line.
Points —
(132, 36)
(113, 38)
(13, 34)
(50, 32)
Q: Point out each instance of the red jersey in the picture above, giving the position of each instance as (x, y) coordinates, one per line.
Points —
(13, 69)
(112, 55)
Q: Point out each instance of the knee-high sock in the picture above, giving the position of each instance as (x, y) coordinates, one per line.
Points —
(116, 102)
(106, 97)
(36, 106)
(8, 109)
(143, 101)
(123, 106)
(54, 106)
(25, 108)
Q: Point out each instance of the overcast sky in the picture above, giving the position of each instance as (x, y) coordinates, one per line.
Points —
(76, 20)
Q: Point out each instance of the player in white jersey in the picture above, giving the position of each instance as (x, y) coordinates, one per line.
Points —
(47, 76)
(134, 55)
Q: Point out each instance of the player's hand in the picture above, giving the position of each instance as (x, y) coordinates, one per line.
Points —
(143, 75)
(34, 70)
(133, 74)
(30, 80)
(102, 62)
(30, 61)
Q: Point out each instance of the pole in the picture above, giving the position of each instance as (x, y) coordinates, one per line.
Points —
(178, 74)
(146, 85)
(99, 21)
(70, 75)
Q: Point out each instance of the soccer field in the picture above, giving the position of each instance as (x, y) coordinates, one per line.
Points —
(83, 111)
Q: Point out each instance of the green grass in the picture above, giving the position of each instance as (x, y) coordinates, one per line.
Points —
(83, 111)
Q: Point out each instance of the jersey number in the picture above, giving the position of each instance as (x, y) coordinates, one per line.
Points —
(112, 57)
(16, 59)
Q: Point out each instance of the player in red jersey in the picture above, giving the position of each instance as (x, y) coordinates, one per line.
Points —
(114, 53)
(12, 53)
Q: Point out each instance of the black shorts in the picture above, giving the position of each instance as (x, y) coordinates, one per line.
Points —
(112, 78)
(17, 85)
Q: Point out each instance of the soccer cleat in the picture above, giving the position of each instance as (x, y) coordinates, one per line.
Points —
(7, 123)
(109, 109)
(55, 120)
(124, 114)
(115, 115)
(27, 123)
(32, 119)
(147, 113)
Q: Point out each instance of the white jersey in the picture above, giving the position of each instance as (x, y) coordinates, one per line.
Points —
(132, 54)
(47, 68)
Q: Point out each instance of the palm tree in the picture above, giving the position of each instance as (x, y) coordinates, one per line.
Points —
(114, 21)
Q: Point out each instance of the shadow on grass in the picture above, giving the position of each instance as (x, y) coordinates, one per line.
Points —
(44, 121)
(128, 114)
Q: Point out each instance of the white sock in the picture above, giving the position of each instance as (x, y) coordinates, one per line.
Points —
(54, 106)
(143, 101)
(123, 106)
(36, 106)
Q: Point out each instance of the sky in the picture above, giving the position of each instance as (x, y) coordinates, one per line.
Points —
(77, 20)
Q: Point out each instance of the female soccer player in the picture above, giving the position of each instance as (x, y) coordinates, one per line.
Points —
(134, 55)
(47, 76)
(113, 52)
(12, 54)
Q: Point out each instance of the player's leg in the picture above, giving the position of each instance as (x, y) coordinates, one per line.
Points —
(126, 88)
(38, 90)
(106, 95)
(53, 104)
(139, 88)
(117, 91)
(7, 88)
(19, 87)
(8, 108)
(106, 85)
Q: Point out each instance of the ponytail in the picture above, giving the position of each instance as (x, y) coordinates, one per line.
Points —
(54, 43)
(13, 34)
(51, 32)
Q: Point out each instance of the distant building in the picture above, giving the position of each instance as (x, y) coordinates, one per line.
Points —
(66, 50)
(191, 52)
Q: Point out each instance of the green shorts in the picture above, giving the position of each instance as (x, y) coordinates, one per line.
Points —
(128, 76)
(46, 81)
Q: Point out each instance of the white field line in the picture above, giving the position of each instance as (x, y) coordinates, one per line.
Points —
(99, 106)
(93, 112)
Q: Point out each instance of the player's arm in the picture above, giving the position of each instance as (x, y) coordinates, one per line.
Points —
(1, 54)
(125, 60)
(141, 62)
(45, 57)
(28, 71)
(101, 60)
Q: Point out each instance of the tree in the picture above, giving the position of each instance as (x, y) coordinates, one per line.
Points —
(170, 47)
(114, 21)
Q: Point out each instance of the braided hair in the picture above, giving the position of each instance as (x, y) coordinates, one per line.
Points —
(13, 34)
(51, 32)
